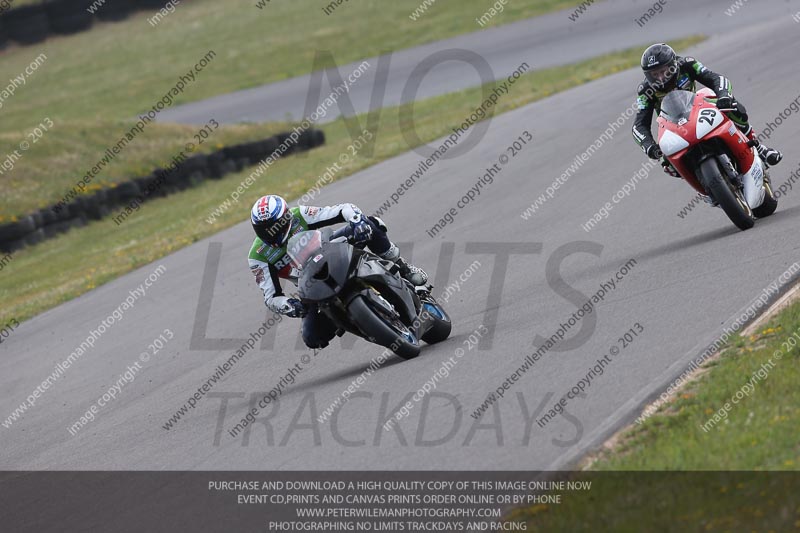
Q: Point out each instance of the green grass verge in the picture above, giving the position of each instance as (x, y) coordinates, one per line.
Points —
(92, 83)
(91, 256)
(52, 166)
(757, 431)
(118, 69)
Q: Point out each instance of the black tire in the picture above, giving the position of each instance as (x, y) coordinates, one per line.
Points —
(38, 219)
(69, 16)
(729, 200)
(62, 226)
(97, 205)
(115, 10)
(152, 186)
(13, 231)
(48, 217)
(769, 205)
(35, 238)
(216, 165)
(235, 152)
(148, 4)
(77, 209)
(283, 138)
(127, 191)
(440, 330)
(27, 24)
(317, 138)
(376, 330)
(257, 151)
(12, 246)
(266, 148)
(3, 34)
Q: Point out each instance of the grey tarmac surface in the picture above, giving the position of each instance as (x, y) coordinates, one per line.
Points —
(692, 276)
(541, 42)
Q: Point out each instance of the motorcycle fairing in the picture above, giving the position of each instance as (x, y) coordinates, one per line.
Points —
(375, 271)
(692, 129)
(323, 279)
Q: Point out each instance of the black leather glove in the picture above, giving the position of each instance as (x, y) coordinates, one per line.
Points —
(298, 310)
(362, 231)
(726, 102)
(669, 169)
(654, 152)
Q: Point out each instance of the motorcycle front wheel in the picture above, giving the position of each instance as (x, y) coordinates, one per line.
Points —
(380, 329)
(441, 327)
(730, 199)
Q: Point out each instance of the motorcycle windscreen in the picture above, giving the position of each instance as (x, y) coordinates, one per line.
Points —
(304, 246)
(677, 106)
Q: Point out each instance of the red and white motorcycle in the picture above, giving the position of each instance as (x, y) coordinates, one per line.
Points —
(714, 156)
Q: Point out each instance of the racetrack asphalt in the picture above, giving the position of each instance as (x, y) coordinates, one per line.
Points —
(691, 277)
(541, 42)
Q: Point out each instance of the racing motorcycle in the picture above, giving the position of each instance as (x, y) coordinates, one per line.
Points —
(714, 156)
(364, 294)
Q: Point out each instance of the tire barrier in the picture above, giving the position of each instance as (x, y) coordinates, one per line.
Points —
(317, 138)
(49, 222)
(149, 4)
(3, 35)
(27, 24)
(115, 10)
(33, 23)
(69, 16)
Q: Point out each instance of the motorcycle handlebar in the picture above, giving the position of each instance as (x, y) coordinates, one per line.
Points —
(344, 233)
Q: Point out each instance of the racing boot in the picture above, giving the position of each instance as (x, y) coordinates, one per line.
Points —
(414, 275)
(768, 155)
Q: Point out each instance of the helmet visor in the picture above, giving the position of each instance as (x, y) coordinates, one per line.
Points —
(274, 232)
(661, 76)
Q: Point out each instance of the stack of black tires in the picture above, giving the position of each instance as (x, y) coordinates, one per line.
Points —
(52, 220)
(33, 23)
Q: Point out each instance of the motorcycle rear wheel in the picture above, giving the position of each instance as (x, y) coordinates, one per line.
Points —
(378, 330)
(730, 200)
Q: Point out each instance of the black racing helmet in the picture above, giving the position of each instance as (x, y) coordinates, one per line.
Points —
(660, 66)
